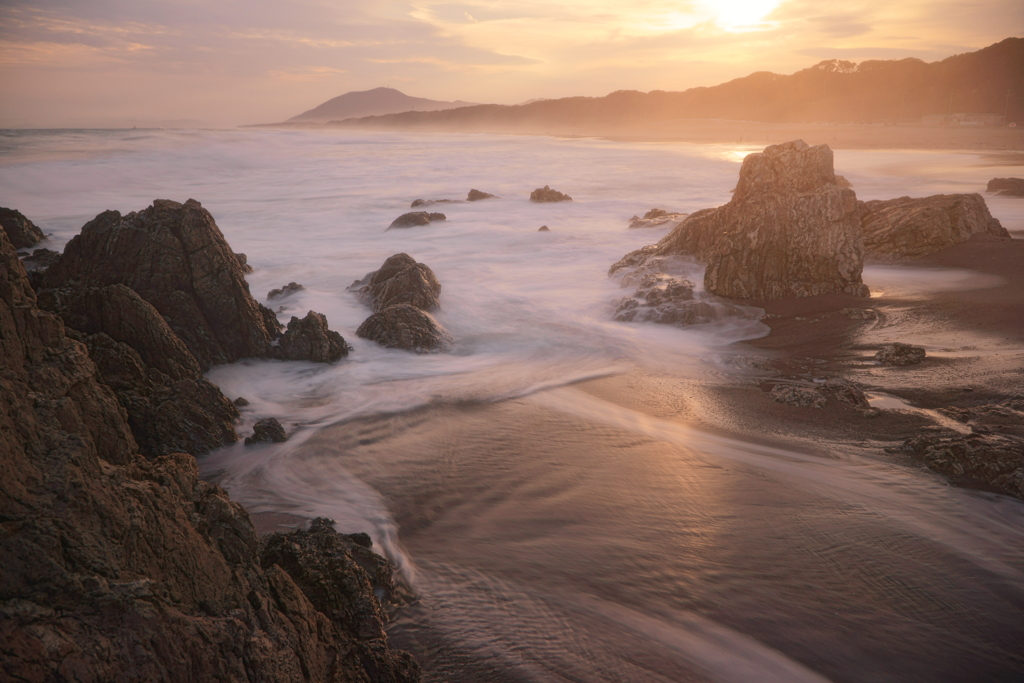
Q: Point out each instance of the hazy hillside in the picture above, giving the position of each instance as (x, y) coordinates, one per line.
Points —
(371, 103)
(874, 91)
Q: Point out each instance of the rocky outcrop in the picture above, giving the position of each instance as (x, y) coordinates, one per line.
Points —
(267, 430)
(546, 194)
(790, 230)
(1010, 187)
(993, 459)
(670, 300)
(820, 392)
(113, 567)
(900, 354)
(399, 280)
(310, 339)
(287, 290)
(906, 228)
(477, 195)
(170, 406)
(656, 218)
(404, 326)
(21, 232)
(416, 218)
(175, 257)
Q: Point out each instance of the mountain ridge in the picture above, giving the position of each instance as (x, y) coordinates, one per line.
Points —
(374, 102)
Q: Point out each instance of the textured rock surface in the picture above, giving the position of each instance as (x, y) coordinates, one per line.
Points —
(21, 232)
(400, 280)
(669, 300)
(818, 394)
(655, 218)
(267, 430)
(900, 354)
(905, 228)
(477, 195)
(790, 230)
(415, 218)
(995, 459)
(404, 326)
(113, 567)
(1011, 187)
(310, 339)
(800, 396)
(546, 194)
(176, 258)
(287, 290)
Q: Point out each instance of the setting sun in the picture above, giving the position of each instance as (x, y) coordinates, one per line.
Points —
(740, 15)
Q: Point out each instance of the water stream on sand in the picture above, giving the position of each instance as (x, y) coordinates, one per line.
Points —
(551, 535)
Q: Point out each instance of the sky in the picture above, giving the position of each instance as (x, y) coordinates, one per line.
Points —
(77, 63)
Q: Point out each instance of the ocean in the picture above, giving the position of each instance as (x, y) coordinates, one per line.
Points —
(549, 534)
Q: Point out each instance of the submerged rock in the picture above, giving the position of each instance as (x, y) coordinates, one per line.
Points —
(428, 202)
(1010, 187)
(905, 228)
(287, 290)
(22, 232)
(477, 195)
(399, 280)
(546, 194)
(310, 339)
(267, 430)
(790, 230)
(415, 218)
(655, 218)
(994, 459)
(543, 228)
(900, 354)
(403, 326)
(817, 395)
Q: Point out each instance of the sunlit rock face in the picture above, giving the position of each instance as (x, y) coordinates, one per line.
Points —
(790, 230)
(905, 228)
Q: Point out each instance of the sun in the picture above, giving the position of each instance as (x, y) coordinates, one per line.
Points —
(740, 15)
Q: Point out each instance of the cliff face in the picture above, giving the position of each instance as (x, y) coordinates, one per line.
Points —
(117, 567)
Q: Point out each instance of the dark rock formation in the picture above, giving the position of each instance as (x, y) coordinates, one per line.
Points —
(477, 195)
(1006, 417)
(415, 218)
(1010, 187)
(797, 395)
(543, 228)
(993, 459)
(170, 406)
(287, 290)
(39, 260)
(176, 258)
(403, 326)
(243, 263)
(267, 430)
(310, 339)
(241, 402)
(790, 230)
(22, 232)
(905, 228)
(816, 395)
(546, 194)
(400, 280)
(655, 218)
(113, 567)
(900, 354)
(428, 202)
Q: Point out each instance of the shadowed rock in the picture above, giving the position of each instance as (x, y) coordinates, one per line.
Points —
(415, 218)
(546, 194)
(900, 354)
(1010, 187)
(22, 232)
(790, 230)
(404, 326)
(287, 290)
(310, 339)
(477, 195)
(429, 202)
(905, 228)
(267, 430)
(399, 280)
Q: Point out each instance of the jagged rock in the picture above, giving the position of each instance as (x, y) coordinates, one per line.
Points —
(543, 228)
(1010, 187)
(414, 218)
(243, 263)
(403, 326)
(669, 300)
(428, 202)
(241, 402)
(790, 230)
(800, 396)
(477, 195)
(39, 260)
(113, 567)
(175, 257)
(170, 406)
(1006, 417)
(818, 394)
(310, 339)
(905, 228)
(655, 218)
(996, 459)
(546, 194)
(22, 232)
(399, 280)
(900, 354)
(267, 430)
(287, 290)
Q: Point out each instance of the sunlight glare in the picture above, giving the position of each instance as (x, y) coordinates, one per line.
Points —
(740, 15)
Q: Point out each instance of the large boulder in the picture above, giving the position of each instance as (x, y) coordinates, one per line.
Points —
(791, 230)
(1010, 187)
(905, 228)
(176, 258)
(415, 218)
(310, 339)
(22, 232)
(400, 280)
(403, 326)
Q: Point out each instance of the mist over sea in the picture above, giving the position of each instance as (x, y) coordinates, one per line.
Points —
(551, 535)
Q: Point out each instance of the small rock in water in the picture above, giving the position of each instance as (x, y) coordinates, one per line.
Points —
(241, 402)
(415, 218)
(287, 290)
(654, 218)
(428, 202)
(546, 194)
(403, 326)
(310, 339)
(399, 280)
(900, 354)
(477, 195)
(267, 430)
(860, 313)
(1010, 187)
(543, 228)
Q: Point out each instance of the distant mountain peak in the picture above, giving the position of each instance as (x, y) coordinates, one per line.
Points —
(375, 102)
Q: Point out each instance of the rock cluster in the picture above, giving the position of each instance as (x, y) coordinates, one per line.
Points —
(900, 354)
(905, 228)
(546, 194)
(415, 218)
(816, 395)
(22, 232)
(115, 567)
(1010, 187)
(287, 290)
(655, 218)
